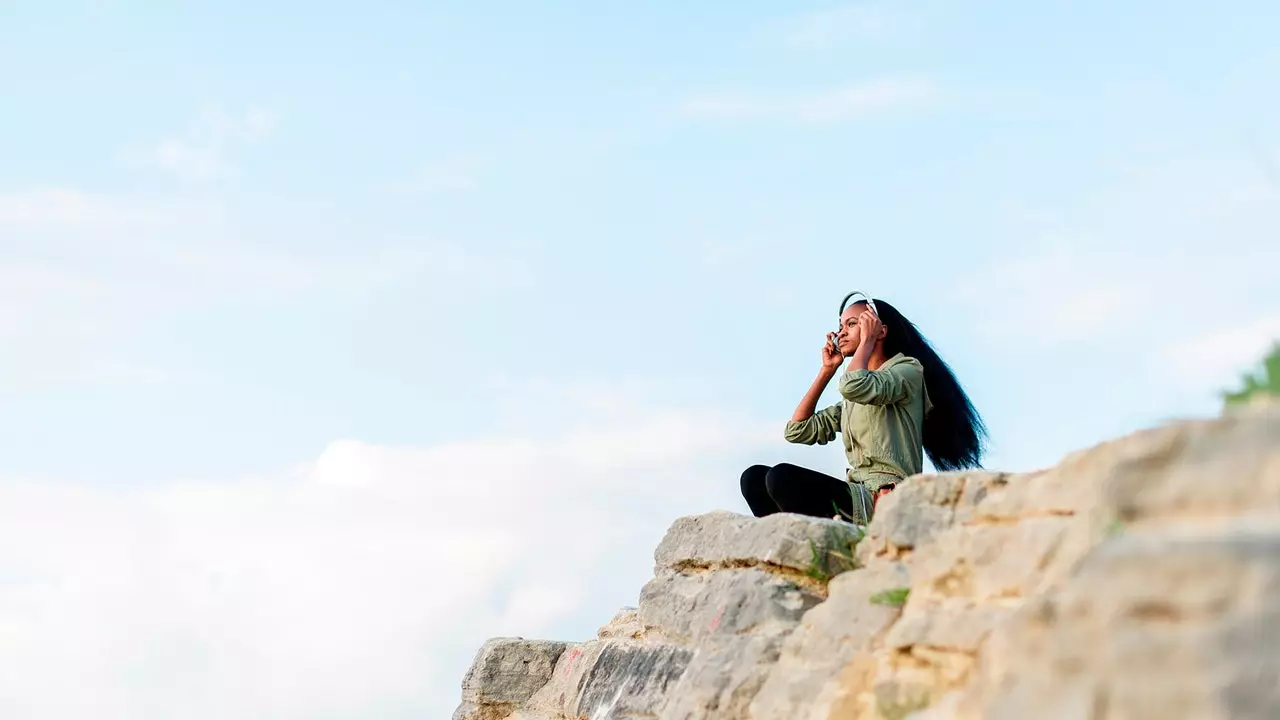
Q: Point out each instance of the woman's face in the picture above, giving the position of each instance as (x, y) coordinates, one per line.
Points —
(849, 336)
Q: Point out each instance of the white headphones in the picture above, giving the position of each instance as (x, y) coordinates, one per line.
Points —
(870, 303)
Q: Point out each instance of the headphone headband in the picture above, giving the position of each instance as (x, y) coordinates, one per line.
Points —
(870, 303)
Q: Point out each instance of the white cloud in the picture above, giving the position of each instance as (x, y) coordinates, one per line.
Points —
(81, 273)
(44, 300)
(64, 208)
(105, 241)
(1180, 246)
(538, 605)
(1061, 294)
(355, 587)
(848, 103)
(70, 292)
(1218, 358)
(1195, 318)
(861, 20)
(451, 174)
(186, 159)
(203, 151)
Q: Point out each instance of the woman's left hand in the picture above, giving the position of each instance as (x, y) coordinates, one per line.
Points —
(869, 325)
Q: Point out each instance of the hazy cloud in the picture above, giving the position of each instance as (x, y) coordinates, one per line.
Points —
(204, 150)
(80, 272)
(357, 586)
(66, 208)
(1170, 272)
(861, 20)
(450, 174)
(1216, 359)
(847, 103)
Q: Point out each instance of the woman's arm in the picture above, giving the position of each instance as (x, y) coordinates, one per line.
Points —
(809, 403)
(820, 427)
(806, 427)
(877, 387)
(831, 358)
(883, 386)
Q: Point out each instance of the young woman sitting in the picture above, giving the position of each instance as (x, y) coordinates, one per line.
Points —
(899, 400)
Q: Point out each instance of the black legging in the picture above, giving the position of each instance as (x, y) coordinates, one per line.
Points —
(793, 489)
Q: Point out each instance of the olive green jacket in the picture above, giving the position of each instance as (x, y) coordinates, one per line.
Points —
(880, 418)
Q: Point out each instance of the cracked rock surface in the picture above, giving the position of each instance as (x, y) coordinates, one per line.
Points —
(1136, 579)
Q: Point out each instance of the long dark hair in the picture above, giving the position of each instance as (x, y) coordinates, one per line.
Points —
(954, 432)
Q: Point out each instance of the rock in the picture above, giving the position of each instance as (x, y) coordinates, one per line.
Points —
(506, 673)
(1139, 578)
(625, 625)
(1176, 625)
(609, 679)
(627, 680)
(722, 679)
(827, 643)
(727, 591)
(935, 502)
(955, 624)
(692, 607)
(933, 499)
(1204, 473)
(989, 561)
(784, 543)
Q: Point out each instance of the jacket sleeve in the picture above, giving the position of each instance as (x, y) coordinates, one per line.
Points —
(820, 428)
(886, 386)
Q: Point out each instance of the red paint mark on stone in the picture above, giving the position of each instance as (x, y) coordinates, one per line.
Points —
(716, 623)
(574, 654)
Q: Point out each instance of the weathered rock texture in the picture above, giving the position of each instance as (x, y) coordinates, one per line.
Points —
(1137, 579)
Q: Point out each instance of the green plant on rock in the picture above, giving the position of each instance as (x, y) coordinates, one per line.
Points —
(837, 554)
(896, 597)
(891, 710)
(1264, 382)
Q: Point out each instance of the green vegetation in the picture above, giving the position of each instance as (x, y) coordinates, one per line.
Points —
(900, 710)
(1265, 382)
(838, 555)
(897, 597)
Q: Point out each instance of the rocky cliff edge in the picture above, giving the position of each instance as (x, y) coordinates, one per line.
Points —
(1136, 579)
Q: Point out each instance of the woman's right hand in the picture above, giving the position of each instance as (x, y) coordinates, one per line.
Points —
(831, 357)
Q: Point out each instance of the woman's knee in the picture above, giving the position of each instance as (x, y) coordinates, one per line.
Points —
(753, 480)
(776, 478)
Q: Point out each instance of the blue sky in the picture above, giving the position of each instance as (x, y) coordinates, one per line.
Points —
(330, 293)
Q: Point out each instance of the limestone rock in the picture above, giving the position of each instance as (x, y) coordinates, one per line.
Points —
(727, 591)
(785, 543)
(692, 607)
(625, 680)
(722, 678)
(610, 679)
(922, 507)
(988, 562)
(1205, 473)
(1177, 625)
(506, 673)
(625, 625)
(827, 644)
(1138, 578)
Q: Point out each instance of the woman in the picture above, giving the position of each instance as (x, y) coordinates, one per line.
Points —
(899, 400)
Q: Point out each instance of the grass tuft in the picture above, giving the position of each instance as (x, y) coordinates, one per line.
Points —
(897, 597)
